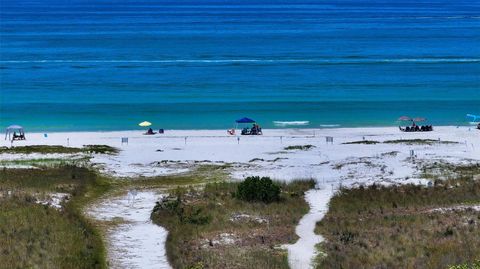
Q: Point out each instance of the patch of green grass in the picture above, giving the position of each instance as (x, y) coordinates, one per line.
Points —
(365, 142)
(441, 172)
(45, 162)
(196, 218)
(396, 227)
(473, 265)
(401, 141)
(390, 154)
(299, 147)
(100, 149)
(418, 141)
(61, 179)
(37, 236)
(365, 162)
(50, 149)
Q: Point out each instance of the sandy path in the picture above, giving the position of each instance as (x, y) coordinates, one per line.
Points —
(137, 243)
(301, 254)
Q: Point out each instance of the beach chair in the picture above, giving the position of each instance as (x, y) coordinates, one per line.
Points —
(18, 137)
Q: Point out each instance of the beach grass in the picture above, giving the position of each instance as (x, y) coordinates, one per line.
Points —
(39, 236)
(401, 141)
(299, 147)
(51, 149)
(419, 141)
(210, 228)
(404, 226)
(364, 142)
(44, 162)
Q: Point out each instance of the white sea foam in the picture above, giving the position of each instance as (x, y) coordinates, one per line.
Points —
(291, 123)
(329, 125)
(318, 61)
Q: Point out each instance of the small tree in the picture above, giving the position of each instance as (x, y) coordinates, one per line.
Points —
(258, 189)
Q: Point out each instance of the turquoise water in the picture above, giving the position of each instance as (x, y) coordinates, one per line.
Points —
(107, 65)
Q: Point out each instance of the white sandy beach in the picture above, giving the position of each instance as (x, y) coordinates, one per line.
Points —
(331, 165)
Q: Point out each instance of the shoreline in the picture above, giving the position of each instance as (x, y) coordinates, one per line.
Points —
(279, 128)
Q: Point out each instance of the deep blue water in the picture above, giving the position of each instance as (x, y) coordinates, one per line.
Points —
(107, 65)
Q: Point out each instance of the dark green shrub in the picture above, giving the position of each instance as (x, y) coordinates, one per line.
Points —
(196, 216)
(186, 213)
(256, 189)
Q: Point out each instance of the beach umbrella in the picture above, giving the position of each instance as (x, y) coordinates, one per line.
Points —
(144, 124)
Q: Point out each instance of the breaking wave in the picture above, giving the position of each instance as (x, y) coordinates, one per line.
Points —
(291, 123)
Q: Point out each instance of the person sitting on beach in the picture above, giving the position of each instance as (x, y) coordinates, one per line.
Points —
(417, 129)
(254, 129)
(150, 131)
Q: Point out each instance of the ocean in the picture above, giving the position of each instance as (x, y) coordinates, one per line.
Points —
(108, 65)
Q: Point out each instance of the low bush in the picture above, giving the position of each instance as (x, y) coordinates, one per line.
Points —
(190, 214)
(256, 189)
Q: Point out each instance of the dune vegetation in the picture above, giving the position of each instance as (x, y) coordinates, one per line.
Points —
(216, 226)
(34, 235)
(405, 226)
(50, 149)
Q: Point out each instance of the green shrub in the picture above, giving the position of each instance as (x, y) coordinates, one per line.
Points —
(186, 213)
(258, 189)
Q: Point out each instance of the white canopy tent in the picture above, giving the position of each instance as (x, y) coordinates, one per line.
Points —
(13, 129)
